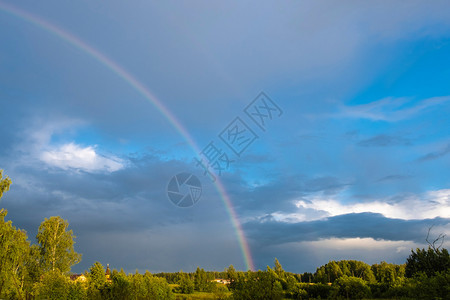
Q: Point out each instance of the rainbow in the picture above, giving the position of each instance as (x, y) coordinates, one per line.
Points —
(139, 87)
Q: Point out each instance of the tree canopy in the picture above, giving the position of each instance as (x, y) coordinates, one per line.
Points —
(4, 183)
(428, 261)
(56, 245)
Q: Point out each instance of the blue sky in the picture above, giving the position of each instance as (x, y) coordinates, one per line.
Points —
(356, 167)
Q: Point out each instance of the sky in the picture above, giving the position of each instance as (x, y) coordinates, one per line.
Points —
(317, 130)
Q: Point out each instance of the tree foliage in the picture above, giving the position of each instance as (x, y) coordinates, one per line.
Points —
(13, 255)
(434, 287)
(258, 285)
(333, 270)
(53, 285)
(278, 268)
(202, 282)
(97, 277)
(231, 275)
(148, 286)
(389, 274)
(13, 252)
(427, 261)
(186, 285)
(4, 183)
(350, 287)
(56, 245)
(120, 288)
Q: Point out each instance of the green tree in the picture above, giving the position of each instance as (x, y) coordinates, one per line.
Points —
(334, 270)
(278, 268)
(389, 274)
(97, 277)
(297, 292)
(56, 245)
(427, 261)
(4, 183)
(157, 288)
(290, 284)
(350, 287)
(53, 285)
(434, 287)
(120, 288)
(137, 286)
(359, 269)
(328, 273)
(13, 254)
(186, 285)
(220, 292)
(96, 281)
(231, 275)
(14, 250)
(258, 285)
(202, 282)
(147, 286)
(317, 290)
(76, 291)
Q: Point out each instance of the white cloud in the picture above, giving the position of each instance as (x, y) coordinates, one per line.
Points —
(320, 252)
(368, 250)
(362, 244)
(424, 206)
(38, 145)
(72, 156)
(390, 109)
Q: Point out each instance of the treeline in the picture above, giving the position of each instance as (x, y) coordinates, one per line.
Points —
(42, 271)
(425, 275)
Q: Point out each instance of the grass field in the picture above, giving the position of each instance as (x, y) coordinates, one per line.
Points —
(195, 295)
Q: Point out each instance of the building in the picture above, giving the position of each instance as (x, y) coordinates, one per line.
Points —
(222, 281)
(78, 277)
(82, 278)
(108, 273)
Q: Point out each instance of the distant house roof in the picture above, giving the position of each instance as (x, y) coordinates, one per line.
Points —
(224, 281)
(76, 277)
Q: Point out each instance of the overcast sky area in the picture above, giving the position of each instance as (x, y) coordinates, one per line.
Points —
(354, 163)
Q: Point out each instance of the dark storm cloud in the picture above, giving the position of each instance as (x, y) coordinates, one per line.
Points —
(123, 208)
(276, 195)
(94, 201)
(279, 194)
(268, 231)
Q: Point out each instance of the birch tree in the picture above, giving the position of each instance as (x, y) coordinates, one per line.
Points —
(56, 245)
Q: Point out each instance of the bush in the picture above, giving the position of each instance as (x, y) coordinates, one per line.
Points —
(120, 287)
(299, 293)
(319, 290)
(53, 285)
(427, 261)
(435, 287)
(144, 287)
(186, 285)
(258, 285)
(77, 291)
(220, 292)
(350, 287)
